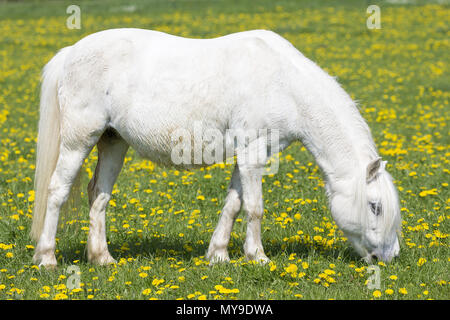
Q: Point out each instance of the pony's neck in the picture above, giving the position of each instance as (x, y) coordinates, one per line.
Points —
(330, 125)
(340, 140)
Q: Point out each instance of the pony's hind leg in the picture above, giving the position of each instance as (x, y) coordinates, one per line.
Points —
(111, 152)
(69, 162)
(217, 250)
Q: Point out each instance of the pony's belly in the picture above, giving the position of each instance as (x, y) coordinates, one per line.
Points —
(180, 146)
(188, 155)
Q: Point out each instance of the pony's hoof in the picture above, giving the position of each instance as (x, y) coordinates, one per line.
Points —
(48, 262)
(102, 259)
(263, 260)
(260, 258)
(218, 256)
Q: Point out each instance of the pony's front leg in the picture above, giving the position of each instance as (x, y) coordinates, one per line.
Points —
(253, 206)
(217, 251)
(251, 163)
(111, 153)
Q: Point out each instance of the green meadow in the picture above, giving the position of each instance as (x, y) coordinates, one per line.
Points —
(160, 220)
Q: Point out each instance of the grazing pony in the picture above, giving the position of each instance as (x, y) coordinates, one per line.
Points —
(131, 87)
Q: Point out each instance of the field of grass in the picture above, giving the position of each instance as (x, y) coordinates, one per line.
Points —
(160, 221)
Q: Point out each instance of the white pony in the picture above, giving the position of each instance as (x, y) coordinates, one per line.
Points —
(131, 87)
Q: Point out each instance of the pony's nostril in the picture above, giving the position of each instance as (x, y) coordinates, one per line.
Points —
(374, 257)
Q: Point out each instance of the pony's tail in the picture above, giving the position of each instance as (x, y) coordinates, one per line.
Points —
(48, 138)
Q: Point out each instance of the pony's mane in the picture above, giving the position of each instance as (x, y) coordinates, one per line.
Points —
(365, 141)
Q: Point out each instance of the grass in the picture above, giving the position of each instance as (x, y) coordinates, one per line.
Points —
(160, 220)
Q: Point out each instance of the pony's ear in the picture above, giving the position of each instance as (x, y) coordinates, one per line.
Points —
(373, 168)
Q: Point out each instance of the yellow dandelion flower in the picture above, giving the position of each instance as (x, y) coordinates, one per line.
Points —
(146, 292)
(291, 268)
(421, 261)
(156, 282)
(60, 296)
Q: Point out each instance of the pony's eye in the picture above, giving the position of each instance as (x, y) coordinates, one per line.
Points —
(375, 207)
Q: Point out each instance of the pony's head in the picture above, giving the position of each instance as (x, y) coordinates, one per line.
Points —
(367, 210)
